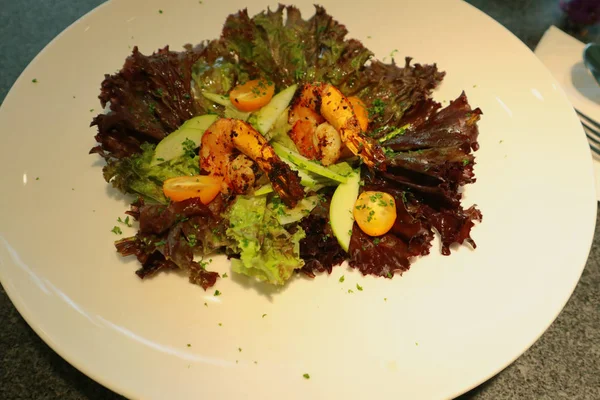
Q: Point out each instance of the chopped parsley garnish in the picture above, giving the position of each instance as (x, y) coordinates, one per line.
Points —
(264, 315)
(160, 11)
(37, 178)
(359, 287)
(217, 293)
(350, 291)
(465, 161)
(192, 241)
(376, 241)
(240, 349)
(34, 80)
(160, 243)
(225, 275)
(370, 216)
(189, 147)
(205, 304)
(342, 278)
(220, 324)
(125, 221)
(189, 345)
(306, 376)
(117, 231)
(377, 109)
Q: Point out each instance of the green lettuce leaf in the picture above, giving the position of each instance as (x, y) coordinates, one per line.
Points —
(268, 252)
(135, 175)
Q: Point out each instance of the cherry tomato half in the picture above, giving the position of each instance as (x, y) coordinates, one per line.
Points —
(186, 187)
(375, 212)
(252, 95)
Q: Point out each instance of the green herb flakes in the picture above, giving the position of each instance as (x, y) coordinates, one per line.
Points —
(342, 279)
(117, 231)
(217, 293)
(124, 221)
(360, 288)
(306, 376)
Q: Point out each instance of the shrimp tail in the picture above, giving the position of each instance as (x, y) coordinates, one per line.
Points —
(317, 101)
(286, 183)
(370, 152)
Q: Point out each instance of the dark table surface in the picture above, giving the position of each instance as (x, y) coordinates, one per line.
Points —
(564, 363)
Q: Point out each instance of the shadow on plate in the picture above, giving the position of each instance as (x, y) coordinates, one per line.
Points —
(263, 289)
(585, 83)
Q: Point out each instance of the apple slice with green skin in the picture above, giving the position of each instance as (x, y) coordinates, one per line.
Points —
(265, 189)
(264, 119)
(172, 145)
(340, 210)
(287, 215)
(305, 164)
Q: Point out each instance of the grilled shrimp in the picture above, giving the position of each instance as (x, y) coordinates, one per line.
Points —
(320, 103)
(218, 158)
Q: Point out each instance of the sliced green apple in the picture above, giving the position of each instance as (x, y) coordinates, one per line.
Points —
(305, 164)
(340, 210)
(172, 146)
(266, 117)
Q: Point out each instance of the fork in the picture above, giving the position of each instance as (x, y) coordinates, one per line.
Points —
(592, 131)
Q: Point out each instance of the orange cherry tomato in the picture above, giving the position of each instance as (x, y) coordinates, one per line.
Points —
(361, 112)
(252, 95)
(186, 187)
(375, 212)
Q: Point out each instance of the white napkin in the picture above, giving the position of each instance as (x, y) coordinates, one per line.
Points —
(562, 54)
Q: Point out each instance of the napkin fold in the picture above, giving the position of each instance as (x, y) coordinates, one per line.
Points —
(562, 54)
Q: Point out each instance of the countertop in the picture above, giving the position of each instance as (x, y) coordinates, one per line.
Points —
(563, 363)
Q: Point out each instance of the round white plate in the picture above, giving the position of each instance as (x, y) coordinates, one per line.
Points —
(447, 325)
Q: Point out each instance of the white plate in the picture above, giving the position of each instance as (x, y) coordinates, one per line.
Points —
(447, 325)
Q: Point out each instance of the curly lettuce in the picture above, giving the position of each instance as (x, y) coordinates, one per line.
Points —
(136, 175)
(268, 252)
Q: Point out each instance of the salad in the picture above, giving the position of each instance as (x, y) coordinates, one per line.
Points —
(287, 147)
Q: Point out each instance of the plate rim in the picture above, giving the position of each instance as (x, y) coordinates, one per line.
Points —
(21, 307)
